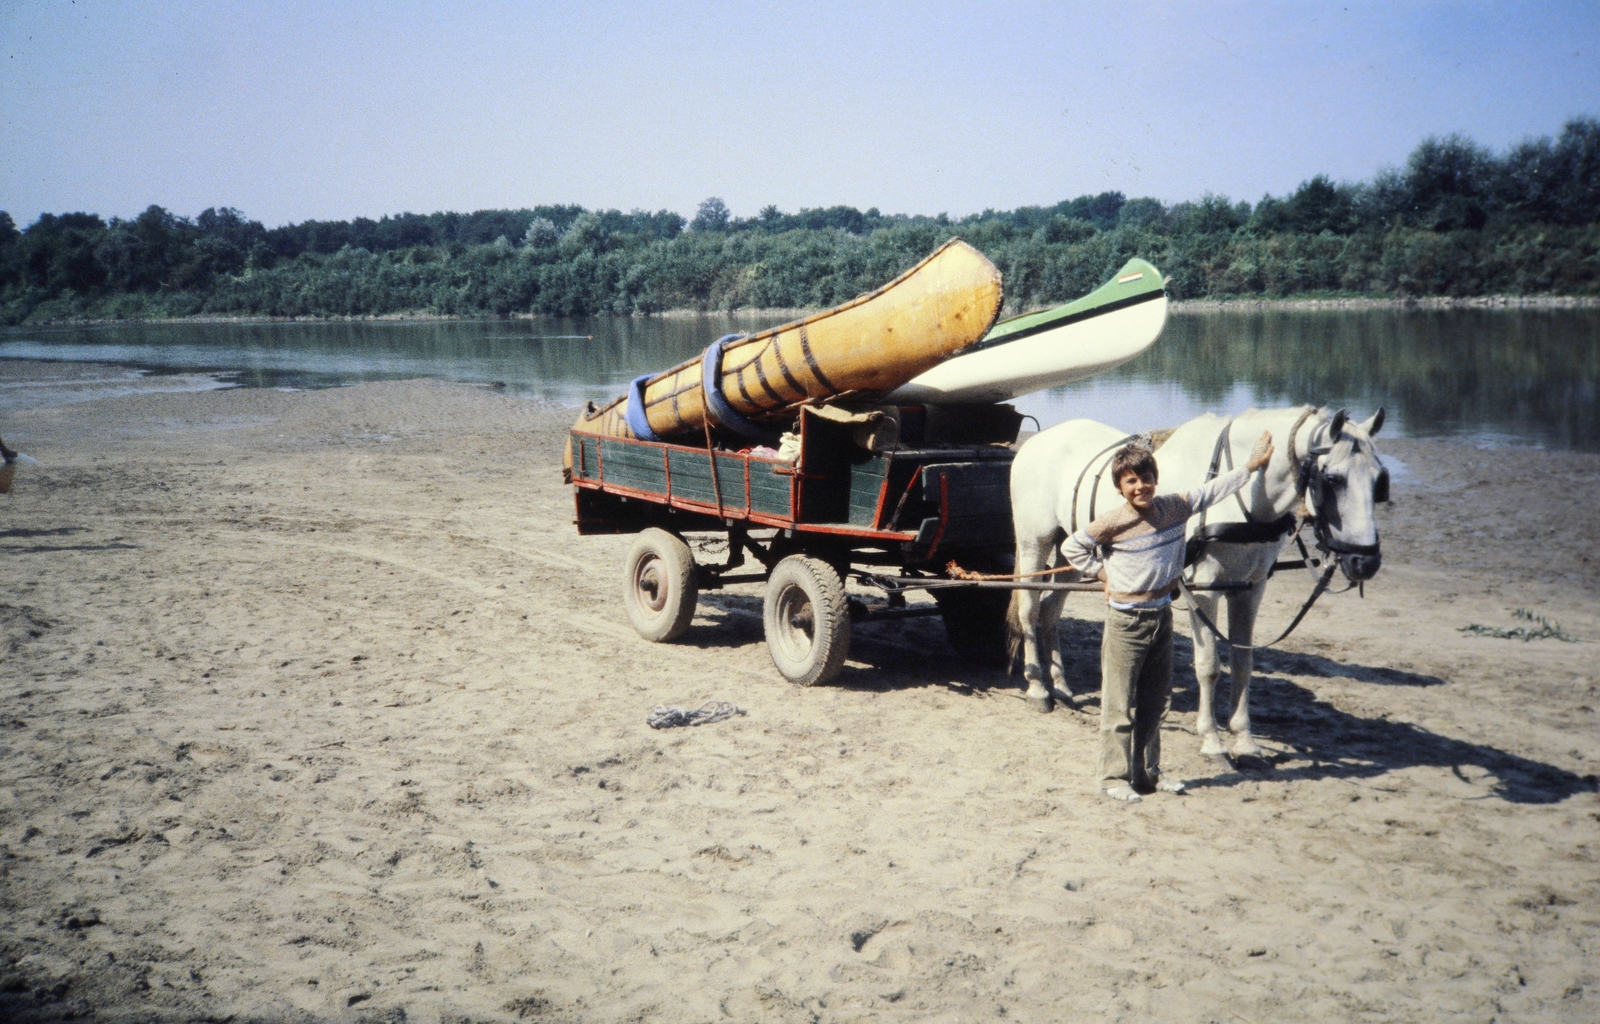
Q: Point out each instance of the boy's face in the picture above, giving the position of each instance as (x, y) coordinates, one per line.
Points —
(1138, 488)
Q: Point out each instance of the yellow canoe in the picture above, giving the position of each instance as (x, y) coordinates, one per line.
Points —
(868, 346)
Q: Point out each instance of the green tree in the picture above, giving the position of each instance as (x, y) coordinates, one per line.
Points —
(713, 215)
(1447, 183)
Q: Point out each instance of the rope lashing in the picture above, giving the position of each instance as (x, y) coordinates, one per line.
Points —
(958, 573)
(669, 716)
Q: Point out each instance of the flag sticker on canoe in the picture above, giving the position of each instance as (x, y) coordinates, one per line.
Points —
(1124, 279)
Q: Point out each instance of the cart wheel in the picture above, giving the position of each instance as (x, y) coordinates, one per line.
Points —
(660, 588)
(807, 620)
(975, 622)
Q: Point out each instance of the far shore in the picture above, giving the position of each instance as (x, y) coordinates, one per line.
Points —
(1231, 305)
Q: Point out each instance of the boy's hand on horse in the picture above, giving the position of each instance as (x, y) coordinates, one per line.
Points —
(1261, 454)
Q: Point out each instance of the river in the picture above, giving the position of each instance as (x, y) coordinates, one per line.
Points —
(1488, 376)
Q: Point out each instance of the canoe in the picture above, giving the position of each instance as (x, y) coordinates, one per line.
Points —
(868, 346)
(1105, 328)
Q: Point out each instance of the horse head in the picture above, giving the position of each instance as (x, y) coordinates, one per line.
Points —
(1343, 482)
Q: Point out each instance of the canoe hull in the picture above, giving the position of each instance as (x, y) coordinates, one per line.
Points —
(1104, 329)
(868, 346)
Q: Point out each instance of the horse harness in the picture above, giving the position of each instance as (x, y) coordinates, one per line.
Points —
(1314, 489)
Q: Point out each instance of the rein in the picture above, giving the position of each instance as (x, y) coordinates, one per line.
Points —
(1316, 592)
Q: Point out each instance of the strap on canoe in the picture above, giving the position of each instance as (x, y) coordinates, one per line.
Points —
(717, 402)
(633, 412)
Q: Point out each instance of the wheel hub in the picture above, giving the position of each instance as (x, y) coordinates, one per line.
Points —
(647, 584)
(795, 610)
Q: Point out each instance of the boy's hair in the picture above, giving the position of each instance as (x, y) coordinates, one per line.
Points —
(1135, 457)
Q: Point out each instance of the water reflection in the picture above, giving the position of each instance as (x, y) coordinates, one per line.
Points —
(1517, 376)
(1509, 376)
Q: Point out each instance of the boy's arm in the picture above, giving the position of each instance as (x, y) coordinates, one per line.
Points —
(1217, 488)
(1214, 490)
(1083, 554)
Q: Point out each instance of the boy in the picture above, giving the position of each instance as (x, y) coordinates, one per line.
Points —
(1142, 544)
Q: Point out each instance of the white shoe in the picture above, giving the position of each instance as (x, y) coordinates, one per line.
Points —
(1173, 786)
(1123, 793)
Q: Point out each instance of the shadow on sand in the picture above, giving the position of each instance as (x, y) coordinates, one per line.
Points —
(59, 531)
(1332, 743)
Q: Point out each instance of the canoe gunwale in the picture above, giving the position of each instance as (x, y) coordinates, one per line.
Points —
(1071, 318)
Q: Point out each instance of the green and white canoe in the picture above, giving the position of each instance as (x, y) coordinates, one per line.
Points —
(1028, 353)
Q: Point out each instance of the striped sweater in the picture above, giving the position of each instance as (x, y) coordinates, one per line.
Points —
(1141, 556)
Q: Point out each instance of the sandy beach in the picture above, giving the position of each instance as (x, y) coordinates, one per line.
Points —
(313, 706)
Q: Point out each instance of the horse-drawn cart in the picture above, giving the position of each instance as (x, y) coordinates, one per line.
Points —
(835, 510)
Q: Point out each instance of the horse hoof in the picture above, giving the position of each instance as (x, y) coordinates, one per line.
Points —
(1248, 749)
(1043, 705)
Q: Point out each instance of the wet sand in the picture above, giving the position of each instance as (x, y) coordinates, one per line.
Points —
(313, 706)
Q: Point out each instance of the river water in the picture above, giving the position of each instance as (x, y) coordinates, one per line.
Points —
(1490, 376)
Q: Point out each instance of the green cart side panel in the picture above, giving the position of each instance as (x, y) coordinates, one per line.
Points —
(980, 502)
(586, 458)
(691, 477)
(770, 493)
(730, 470)
(866, 483)
(634, 466)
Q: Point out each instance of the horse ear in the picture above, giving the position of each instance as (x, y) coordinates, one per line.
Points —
(1375, 424)
(1337, 425)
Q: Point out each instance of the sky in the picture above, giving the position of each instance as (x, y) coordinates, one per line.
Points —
(291, 111)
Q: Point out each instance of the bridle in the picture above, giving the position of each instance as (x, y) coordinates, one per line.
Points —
(1315, 490)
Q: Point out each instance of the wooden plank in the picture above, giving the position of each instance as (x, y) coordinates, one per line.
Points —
(866, 487)
(691, 476)
(633, 465)
(731, 470)
(770, 492)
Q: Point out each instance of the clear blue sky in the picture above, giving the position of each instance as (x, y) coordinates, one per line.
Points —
(291, 111)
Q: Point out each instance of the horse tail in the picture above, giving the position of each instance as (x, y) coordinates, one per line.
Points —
(1014, 632)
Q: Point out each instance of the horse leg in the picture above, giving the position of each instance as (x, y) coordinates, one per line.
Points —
(1049, 632)
(1032, 555)
(1242, 608)
(1206, 673)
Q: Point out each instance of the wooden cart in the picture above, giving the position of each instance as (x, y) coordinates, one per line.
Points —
(889, 519)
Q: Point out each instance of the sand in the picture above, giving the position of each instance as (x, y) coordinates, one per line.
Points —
(314, 706)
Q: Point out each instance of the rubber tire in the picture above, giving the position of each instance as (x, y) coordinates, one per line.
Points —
(799, 584)
(660, 561)
(975, 623)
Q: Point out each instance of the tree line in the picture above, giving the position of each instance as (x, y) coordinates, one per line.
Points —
(1455, 220)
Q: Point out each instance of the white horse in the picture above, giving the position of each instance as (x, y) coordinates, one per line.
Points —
(1324, 468)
